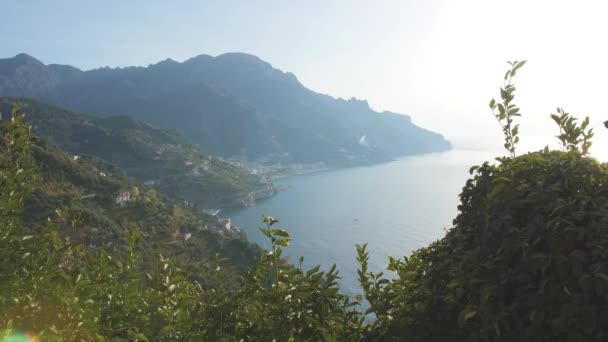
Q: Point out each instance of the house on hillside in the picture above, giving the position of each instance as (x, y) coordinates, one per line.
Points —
(226, 223)
(124, 197)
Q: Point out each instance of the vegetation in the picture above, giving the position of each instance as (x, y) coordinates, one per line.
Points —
(527, 259)
(169, 161)
(505, 111)
(96, 271)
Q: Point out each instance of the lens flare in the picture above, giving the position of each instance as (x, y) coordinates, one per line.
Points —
(28, 336)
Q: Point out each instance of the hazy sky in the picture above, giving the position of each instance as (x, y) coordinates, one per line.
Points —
(440, 61)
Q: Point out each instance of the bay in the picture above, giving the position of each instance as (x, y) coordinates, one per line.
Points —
(395, 208)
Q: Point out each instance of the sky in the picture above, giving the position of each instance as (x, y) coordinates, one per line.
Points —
(439, 61)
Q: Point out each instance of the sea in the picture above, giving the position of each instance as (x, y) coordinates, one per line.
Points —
(395, 208)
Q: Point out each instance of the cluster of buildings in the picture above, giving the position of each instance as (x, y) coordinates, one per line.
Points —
(272, 169)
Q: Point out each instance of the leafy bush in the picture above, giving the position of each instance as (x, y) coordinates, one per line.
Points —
(527, 258)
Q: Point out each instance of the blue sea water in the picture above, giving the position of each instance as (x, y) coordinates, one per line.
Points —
(395, 207)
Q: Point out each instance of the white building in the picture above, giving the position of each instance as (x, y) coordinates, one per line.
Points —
(124, 196)
(226, 223)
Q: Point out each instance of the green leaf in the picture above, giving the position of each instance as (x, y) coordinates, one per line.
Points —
(519, 65)
(515, 130)
(504, 94)
(279, 232)
(501, 111)
(313, 270)
(284, 242)
(469, 315)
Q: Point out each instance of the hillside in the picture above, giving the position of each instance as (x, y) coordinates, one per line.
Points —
(235, 105)
(158, 157)
(93, 219)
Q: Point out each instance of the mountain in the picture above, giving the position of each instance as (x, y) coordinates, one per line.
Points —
(158, 157)
(235, 105)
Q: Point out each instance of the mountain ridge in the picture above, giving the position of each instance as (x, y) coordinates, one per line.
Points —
(235, 104)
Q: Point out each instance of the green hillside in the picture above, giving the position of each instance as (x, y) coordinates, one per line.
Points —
(92, 217)
(158, 157)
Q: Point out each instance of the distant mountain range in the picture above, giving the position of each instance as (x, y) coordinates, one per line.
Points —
(234, 105)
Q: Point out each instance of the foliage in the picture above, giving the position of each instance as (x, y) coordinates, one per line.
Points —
(571, 135)
(527, 258)
(505, 111)
(33, 265)
(62, 290)
(16, 177)
(282, 302)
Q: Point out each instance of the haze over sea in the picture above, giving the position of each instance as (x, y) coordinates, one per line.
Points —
(395, 207)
